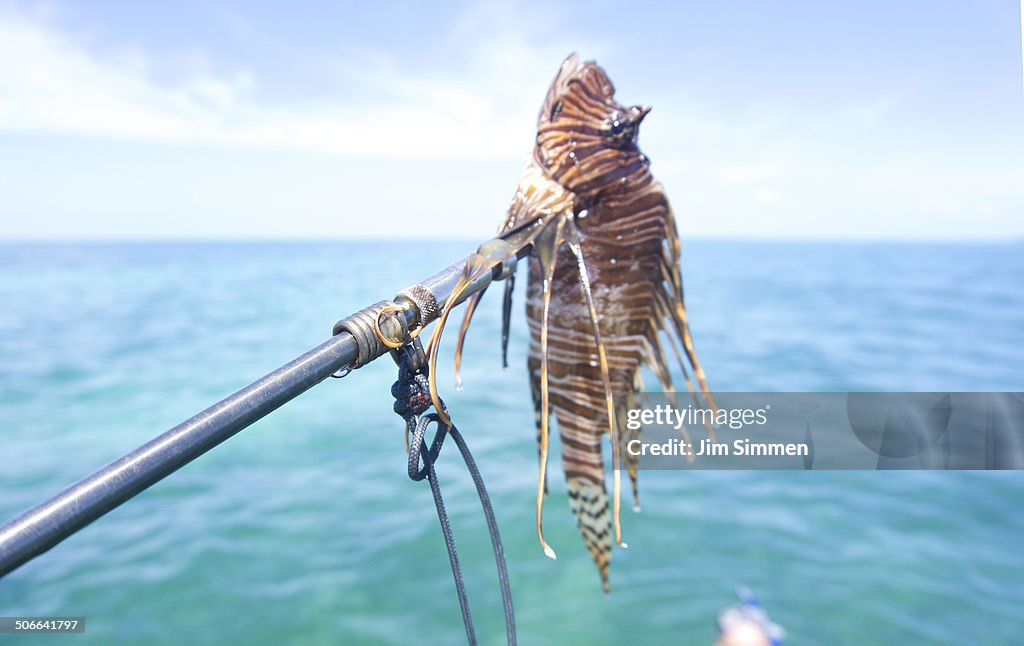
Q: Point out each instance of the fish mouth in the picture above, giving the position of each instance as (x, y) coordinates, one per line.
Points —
(637, 113)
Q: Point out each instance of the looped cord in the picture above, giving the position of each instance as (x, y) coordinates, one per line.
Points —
(412, 399)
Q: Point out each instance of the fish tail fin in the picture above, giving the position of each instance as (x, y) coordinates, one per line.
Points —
(589, 503)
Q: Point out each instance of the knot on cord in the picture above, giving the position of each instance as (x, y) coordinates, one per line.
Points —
(412, 390)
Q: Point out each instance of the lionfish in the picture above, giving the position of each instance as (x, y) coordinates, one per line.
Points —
(604, 285)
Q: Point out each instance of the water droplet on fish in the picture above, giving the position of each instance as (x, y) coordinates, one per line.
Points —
(593, 364)
(618, 237)
(583, 214)
(613, 261)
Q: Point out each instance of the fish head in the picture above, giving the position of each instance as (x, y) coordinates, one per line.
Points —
(586, 140)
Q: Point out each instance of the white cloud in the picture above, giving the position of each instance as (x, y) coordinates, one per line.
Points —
(744, 174)
(767, 195)
(56, 86)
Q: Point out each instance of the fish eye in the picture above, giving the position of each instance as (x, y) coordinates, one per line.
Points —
(619, 130)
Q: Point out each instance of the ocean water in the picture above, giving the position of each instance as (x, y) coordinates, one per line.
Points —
(305, 529)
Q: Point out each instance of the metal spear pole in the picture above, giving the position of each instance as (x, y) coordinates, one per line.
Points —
(38, 529)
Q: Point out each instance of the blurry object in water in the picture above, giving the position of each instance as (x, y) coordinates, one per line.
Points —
(747, 624)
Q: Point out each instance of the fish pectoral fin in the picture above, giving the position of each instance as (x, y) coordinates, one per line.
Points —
(546, 249)
(533, 366)
(506, 316)
(574, 245)
(467, 317)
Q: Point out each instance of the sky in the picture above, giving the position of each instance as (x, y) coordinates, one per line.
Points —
(232, 120)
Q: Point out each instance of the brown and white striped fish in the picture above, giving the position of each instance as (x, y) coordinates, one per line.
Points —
(604, 294)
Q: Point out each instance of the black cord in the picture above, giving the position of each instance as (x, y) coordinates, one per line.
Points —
(412, 399)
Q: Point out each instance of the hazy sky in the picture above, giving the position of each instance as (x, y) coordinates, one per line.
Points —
(218, 119)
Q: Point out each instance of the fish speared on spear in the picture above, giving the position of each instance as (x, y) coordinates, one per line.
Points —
(604, 290)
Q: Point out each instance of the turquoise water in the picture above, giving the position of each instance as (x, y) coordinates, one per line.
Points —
(305, 529)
